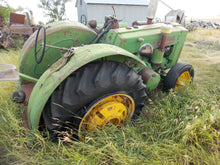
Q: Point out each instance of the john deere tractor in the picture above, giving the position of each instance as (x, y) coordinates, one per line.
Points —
(75, 78)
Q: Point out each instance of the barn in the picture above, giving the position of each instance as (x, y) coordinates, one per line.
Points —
(127, 11)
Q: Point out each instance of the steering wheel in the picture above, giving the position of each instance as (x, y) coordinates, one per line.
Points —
(42, 46)
(83, 19)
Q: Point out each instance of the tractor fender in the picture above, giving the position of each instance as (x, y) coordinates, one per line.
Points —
(56, 74)
(63, 34)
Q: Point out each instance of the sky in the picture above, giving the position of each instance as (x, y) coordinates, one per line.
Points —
(192, 8)
(71, 11)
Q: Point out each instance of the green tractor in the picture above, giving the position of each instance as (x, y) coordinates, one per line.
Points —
(75, 79)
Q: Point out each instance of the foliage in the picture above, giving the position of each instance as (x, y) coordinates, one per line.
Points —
(54, 9)
(5, 10)
(40, 23)
(174, 128)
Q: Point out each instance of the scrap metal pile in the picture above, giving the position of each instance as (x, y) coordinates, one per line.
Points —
(17, 27)
(193, 25)
(6, 40)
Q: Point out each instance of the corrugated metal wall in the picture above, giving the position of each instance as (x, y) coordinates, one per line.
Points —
(81, 10)
(126, 13)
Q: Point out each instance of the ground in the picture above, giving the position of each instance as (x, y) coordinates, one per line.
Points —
(174, 128)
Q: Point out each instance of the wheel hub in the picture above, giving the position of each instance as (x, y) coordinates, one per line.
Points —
(113, 109)
(183, 80)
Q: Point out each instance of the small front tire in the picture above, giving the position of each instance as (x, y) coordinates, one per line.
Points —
(180, 75)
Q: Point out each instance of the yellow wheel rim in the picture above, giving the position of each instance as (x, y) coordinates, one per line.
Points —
(115, 108)
(183, 80)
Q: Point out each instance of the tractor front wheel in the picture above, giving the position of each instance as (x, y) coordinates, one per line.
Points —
(94, 95)
(179, 75)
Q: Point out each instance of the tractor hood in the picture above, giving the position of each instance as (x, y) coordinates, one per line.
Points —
(132, 38)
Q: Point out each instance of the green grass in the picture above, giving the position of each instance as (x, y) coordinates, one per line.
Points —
(177, 128)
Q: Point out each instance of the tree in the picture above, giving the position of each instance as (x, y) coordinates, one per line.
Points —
(54, 9)
(5, 10)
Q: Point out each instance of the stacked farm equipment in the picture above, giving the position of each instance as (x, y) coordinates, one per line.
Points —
(17, 27)
(194, 24)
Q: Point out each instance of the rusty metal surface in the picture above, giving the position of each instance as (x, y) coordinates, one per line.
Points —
(93, 23)
(1, 21)
(17, 18)
(146, 74)
(27, 88)
(115, 24)
(21, 29)
(150, 78)
(169, 41)
(163, 42)
(149, 21)
(139, 23)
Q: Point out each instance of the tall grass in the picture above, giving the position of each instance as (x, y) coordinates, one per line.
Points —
(202, 50)
(176, 128)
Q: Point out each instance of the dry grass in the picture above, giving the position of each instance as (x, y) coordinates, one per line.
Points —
(8, 57)
(174, 128)
(202, 50)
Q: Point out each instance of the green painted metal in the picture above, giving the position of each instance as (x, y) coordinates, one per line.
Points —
(60, 34)
(131, 39)
(27, 78)
(120, 45)
(153, 82)
(174, 57)
(157, 57)
(51, 78)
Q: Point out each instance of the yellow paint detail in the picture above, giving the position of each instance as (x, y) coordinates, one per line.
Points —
(113, 109)
(166, 31)
(183, 80)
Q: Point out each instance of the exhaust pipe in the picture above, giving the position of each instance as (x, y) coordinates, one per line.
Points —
(151, 12)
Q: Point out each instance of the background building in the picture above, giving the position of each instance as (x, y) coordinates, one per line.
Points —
(127, 11)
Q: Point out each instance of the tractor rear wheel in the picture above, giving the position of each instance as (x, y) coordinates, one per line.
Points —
(98, 93)
(179, 75)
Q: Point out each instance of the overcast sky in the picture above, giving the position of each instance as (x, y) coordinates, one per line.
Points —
(192, 8)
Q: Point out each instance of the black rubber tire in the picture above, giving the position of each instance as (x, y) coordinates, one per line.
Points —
(67, 105)
(174, 73)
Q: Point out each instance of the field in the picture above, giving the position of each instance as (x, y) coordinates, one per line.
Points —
(174, 128)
